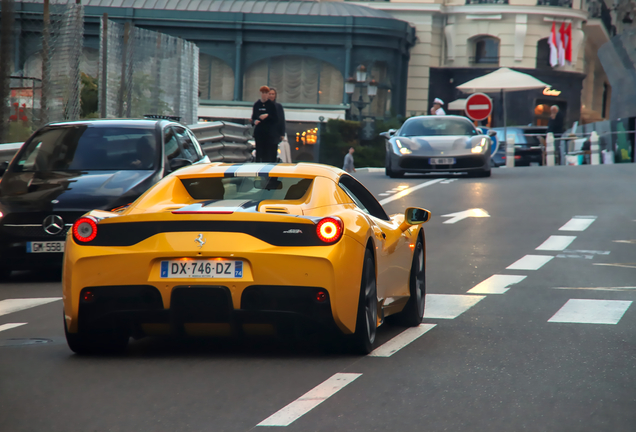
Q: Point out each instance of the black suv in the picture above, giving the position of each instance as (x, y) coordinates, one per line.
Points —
(66, 169)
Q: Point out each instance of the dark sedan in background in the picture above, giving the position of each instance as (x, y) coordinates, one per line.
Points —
(435, 144)
(66, 169)
(528, 145)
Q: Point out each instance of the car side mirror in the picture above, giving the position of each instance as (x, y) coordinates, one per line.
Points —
(3, 167)
(177, 163)
(492, 133)
(389, 133)
(414, 216)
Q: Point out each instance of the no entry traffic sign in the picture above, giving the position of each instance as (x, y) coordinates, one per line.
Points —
(478, 106)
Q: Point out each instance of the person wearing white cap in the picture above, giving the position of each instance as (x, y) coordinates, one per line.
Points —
(437, 107)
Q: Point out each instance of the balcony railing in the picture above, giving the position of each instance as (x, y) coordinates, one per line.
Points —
(470, 2)
(489, 61)
(558, 3)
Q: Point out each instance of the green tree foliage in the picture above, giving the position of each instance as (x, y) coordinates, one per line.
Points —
(339, 135)
(88, 97)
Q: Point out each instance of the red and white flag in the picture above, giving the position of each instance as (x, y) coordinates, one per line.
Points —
(568, 44)
(561, 44)
(554, 52)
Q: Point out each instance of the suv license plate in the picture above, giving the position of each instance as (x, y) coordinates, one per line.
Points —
(191, 268)
(442, 161)
(45, 247)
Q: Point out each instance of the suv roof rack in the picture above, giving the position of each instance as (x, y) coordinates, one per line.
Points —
(162, 117)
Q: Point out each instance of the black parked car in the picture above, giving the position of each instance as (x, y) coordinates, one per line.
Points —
(66, 169)
(528, 148)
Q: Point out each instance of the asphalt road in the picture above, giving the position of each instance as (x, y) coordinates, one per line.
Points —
(545, 345)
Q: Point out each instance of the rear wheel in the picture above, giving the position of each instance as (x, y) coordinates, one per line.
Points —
(111, 341)
(413, 312)
(367, 318)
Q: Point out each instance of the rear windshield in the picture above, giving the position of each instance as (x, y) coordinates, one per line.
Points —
(247, 188)
(90, 147)
(436, 126)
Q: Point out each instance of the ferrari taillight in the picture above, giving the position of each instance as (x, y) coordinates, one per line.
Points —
(85, 229)
(329, 229)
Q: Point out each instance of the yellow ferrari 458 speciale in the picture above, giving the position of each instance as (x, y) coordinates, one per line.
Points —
(227, 248)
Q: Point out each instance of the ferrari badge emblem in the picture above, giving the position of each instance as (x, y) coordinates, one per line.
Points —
(200, 241)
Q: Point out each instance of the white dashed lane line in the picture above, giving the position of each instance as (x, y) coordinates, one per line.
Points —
(584, 311)
(400, 341)
(309, 400)
(496, 284)
(578, 223)
(408, 190)
(530, 262)
(556, 243)
(15, 305)
(9, 326)
(449, 306)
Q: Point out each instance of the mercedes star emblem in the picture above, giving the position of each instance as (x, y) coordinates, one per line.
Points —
(200, 240)
(53, 224)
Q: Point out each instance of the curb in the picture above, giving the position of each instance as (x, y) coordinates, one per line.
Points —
(370, 170)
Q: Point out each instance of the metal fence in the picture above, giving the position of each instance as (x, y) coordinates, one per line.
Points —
(146, 72)
(40, 51)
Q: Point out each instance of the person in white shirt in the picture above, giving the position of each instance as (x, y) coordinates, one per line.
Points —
(437, 107)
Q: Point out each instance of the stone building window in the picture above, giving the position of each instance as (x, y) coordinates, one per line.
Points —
(486, 50)
(543, 54)
(297, 79)
(216, 79)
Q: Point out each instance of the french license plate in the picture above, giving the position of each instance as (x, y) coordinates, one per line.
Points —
(202, 269)
(442, 161)
(45, 247)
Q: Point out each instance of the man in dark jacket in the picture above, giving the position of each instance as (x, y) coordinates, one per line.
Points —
(265, 121)
(273, 94)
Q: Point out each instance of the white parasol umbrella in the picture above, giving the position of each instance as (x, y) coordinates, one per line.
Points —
(502, 80)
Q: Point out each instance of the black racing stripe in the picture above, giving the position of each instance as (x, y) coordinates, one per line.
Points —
(264, 172)
(274, 233)
(230, 172)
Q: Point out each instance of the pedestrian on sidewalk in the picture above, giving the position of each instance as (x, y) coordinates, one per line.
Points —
(437, 107)
(265, 121)
(348, 161)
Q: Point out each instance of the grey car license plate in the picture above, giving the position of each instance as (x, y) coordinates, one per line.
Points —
(45, 247)
(442, 161)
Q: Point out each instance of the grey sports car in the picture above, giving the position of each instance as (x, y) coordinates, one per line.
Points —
(429, 144)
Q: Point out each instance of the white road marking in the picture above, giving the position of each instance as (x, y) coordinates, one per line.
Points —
(449, 306)
(598, 288)
(448, 181)
(385, 194)
(407, 191)
(309, 400)
(625, 241)
(456, 217)
(556, 243)
(585, 311)
(628, 265)
(496, 284)
(400, 341)
(9, 326)
(530, 262)
(15, 305)
(578, 223)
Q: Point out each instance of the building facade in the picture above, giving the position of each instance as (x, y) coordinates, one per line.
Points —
(458, 40)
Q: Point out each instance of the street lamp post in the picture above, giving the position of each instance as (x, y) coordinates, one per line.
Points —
(360, 81)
